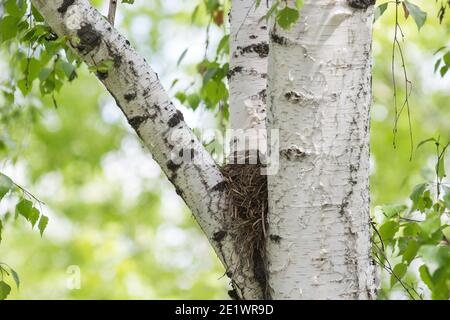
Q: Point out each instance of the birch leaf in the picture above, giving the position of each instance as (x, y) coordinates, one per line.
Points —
(418, 15)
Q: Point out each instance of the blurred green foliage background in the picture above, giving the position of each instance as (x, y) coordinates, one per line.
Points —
(116, 224)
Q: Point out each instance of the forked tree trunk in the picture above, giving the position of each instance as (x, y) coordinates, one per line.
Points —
(318, 244)
(319, 98)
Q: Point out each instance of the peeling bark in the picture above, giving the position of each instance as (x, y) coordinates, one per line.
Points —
(318, 243)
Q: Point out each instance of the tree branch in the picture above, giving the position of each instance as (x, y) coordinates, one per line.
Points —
(112, 11)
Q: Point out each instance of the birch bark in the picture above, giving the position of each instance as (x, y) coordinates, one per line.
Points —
(318, 243)
(249, 49)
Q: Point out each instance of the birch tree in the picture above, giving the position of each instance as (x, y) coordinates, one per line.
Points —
(312, 77)
(319, 99)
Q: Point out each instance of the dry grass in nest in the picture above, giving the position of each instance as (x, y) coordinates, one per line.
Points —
(247, 193)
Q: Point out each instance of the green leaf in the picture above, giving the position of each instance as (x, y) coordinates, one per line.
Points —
(447, 199)
(287, 16)
(5, 289)
(209, 74)
(440, 167)
(42, 224)
(446, 232)
(393, 210)
(224, 45)
(8, 27)
(417, 194)
(412, 229)
(431, 224)
(443, 70)
(103, 67)
(425, 276)
(180, 59)
(15, 277)
(5, 185)
(69, 70)
(447, 58)
(380, 10)
(399, 271)
(388, 230)
(410, 252)
(432, 254)
(437, 65)
(33, 216)
(418, 15)
(24, 208)
(15, 7)
(440, 279)
(193, 100)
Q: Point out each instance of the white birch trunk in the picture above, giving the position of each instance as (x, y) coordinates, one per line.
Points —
(249, 49)
(318, 242)
(141, 97)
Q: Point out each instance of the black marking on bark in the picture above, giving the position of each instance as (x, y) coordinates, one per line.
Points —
(282, 41)
(233, 294)
(294, 97)
(275, 238)
(233, 71)
(292, 153)
(263, 95)
(221, 186)
(191, 153)
(175, 119)
(219, 235)
(262, 49)
(130, 96)
(253, 36)
(65, 5)
(102, 75)
(127, 42)
(259, 270)
(89, 38)
(172, 166)
(133, 69)
(179, 192)
(180, 115)
(136, 122)
(116, 57)
(360, 4)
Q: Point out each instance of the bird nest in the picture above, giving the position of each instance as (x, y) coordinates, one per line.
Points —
(247, 194)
